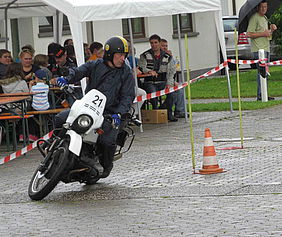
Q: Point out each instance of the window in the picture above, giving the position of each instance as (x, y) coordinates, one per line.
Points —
(229, 24)
(46, 24)
(138, 28)
(185, 23)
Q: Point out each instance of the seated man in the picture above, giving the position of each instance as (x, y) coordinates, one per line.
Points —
(177, 96)
(96, 50)
(159, 64)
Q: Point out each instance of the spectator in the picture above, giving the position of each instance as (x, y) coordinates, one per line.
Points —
(177, 96)
(68, 42)
(71, 53)
(28, 47)
(28, 68)
(164, 46)
(87, 52)
(130, 59)
(5, 60)
(52, 47)
(14, 82)
(41, 60)
(260, 37)
(96, 50)
(63, 62)
(40, 100)
(158, 64)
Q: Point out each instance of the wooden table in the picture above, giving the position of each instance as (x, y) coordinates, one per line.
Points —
(19, 94)
(12, 99)
(17, 102)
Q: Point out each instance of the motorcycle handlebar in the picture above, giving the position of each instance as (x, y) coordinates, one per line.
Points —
(124, 117)
(70, 90)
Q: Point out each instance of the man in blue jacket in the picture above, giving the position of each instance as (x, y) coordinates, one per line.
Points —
(114, 79)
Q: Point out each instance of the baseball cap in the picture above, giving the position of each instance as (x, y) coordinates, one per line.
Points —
(59, 52)
(41, 74)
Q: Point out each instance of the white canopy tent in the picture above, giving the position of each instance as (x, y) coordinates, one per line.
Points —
(79, 11)
(18, 9)
(10, 9)
(85, 10)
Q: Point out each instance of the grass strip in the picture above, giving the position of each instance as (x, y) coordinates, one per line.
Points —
(225, 106)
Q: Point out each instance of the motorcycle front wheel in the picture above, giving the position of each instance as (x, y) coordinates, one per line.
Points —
(43, 182)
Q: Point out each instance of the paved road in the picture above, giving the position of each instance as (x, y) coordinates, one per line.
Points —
(152, 191)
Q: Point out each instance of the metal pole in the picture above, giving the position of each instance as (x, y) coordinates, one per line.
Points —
(57, 37)
(134, 69)
(238, 88)
(6, 23)
(182, 65)
(219, 27)
(189, 105)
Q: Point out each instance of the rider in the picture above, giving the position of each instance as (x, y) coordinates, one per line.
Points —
(114, 79)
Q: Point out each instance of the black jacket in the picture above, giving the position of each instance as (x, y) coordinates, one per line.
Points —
(58, 71)
(117, 84)
(3, 69)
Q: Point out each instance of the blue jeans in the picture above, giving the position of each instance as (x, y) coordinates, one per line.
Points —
(256, 56)
(178, 101)
(153, 87)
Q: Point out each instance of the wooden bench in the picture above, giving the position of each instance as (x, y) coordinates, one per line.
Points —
(48, 111)
(44, 118)
(12, 118)
(35, 112)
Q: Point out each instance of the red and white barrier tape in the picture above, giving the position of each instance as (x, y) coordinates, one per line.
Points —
(23, 150)
(243, 61)
(278, 62)
(176, 88)
(159, 93)
(147, 97)
(216, 69)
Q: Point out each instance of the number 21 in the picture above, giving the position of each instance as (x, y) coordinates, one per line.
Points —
(97, 101)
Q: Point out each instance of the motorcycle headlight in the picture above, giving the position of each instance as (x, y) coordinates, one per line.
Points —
(82, 123)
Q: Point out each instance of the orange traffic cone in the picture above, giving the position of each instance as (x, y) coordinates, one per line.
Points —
(210, 165)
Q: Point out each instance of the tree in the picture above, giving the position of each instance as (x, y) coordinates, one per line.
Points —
(276, 19)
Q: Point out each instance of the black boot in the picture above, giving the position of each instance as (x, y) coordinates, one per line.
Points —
(88, 157)
(106, 161)
(169, 104)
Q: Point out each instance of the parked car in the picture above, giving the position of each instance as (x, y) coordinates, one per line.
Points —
(244, 47)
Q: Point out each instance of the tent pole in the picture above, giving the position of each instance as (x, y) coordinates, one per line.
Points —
(58, 27)
(181, 65)
(56, 33)
(220, 33)
(134, 69)
(6, 22)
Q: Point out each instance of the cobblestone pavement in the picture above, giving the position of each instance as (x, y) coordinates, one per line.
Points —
(152, 191)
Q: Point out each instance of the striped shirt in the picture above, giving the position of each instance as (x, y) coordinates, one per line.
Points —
(40, 101)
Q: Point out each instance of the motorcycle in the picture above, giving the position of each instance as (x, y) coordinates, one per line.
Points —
(73, 155)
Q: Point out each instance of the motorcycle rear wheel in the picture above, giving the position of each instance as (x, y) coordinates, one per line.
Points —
(42, 183)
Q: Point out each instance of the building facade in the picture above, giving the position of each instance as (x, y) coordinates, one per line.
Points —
(200, 27)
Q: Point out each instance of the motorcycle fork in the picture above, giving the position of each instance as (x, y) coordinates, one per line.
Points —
(56, 143)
